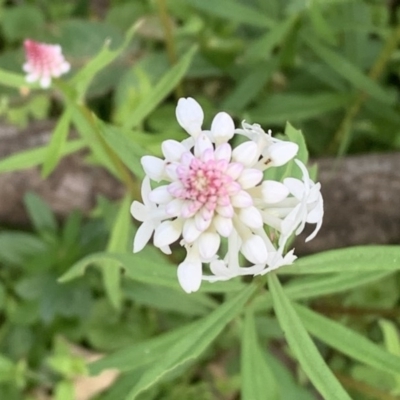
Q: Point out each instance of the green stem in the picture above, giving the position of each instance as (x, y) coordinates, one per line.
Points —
(342, 135)
(169, 39)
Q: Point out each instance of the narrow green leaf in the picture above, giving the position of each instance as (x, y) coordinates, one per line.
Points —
(117, 243)
(262, 48)
(309, 288)
(257, 378)
(14, 80)
(281, 108)
(348, 342)
(85, 122)
(142, 353)
(349, 71)
(143, 268)
(303, 347)
(125, 145)
(250, 86)
(329, 284)
(233, 11)
(161, 90)
(191, 346)
(84, 77)
(391, 336)
(40, 214)
(351, 259)
(57, 143)
(392, 343)
(320, 24)
(137, 266)
(34, 157)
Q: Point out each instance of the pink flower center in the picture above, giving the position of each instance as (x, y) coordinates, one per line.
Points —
(204, 183)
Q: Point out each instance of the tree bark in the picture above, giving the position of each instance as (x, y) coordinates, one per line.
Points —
(361, 193)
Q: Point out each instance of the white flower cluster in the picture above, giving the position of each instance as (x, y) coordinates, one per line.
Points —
(209, 192)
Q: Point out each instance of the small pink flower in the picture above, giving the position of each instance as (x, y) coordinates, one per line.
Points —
(44, 61)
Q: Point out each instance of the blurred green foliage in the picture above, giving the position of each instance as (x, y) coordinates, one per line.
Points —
(331, 67)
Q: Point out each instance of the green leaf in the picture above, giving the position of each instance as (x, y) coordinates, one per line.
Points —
(33, 157)
(142, 353)
(40, 214)
(303, 347)
(256, 374)
(13, 80)
(392, 343)
(348, 342)
(117, 243)
(263, 47)
(125, 145)
(84, 77)
(191, 346)
(21, 22)
(320, 24)
(250, 86)
(312, 287)
(168, 299)
(351, 259)
(281, 108)
(57, 143)
(233, 11)
(17, 247)
(349, 71)
(161, 90)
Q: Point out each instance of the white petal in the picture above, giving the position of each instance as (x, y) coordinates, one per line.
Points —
(242, 199)
(174, 207)
(153, 167)
(167, 232)
(139, 211)
(274, 192)
(234, 170)
(173, 150)
(189, 276)
(209, 244)
(223, 152)
(225, 211)
(246, 153)
(202, 223)
(281, 152)
(251, 217)
(160, 195)
(296, 187)
(222, 127)
(250, 177)
(254, 250)
(190, 115)
(190, 232)
(45, 82)
(142, 236)
(223, 225)
(219, 268)
(202, 144)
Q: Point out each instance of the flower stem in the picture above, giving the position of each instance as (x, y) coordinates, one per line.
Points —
(342, 136)
(169, 40)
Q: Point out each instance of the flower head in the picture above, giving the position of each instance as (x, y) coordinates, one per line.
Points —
(44, 61)
(210, 192)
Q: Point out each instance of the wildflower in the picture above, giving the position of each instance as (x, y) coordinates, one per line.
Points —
(44, 61)
(209, 192)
